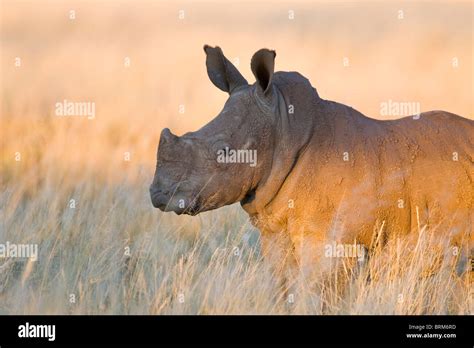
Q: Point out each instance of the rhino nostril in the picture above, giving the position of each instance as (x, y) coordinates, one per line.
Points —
(154, 191)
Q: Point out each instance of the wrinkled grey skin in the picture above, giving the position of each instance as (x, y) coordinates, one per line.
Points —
(187, 167)
(325, 173)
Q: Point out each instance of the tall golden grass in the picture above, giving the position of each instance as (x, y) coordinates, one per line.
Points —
(113, 251)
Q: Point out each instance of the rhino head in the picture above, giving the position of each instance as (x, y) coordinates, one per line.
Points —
(230, 157)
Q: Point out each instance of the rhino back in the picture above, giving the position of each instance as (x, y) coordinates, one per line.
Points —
(358, 173)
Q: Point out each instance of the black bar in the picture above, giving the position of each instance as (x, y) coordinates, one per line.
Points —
(260, 330)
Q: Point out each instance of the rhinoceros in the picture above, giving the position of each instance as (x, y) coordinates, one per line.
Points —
(322, 172)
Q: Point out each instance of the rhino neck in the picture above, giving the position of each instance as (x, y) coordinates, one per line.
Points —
(293, 133)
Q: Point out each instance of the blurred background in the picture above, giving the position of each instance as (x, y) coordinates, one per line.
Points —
(142, 64)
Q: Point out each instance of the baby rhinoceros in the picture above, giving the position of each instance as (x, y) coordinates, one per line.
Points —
(313, 173)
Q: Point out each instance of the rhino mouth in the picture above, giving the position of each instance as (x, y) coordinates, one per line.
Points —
(179, 202)
(193, 208)
(192, 211)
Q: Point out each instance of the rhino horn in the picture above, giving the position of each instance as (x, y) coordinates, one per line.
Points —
(167, 137)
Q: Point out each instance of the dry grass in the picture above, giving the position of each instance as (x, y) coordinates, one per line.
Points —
(213, 261)
(83, 250)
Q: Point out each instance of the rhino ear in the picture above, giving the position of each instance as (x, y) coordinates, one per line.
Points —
(223, 74)
(263, 66)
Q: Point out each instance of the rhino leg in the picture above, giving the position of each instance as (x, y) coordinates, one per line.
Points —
(277, 252)
(325, 276)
